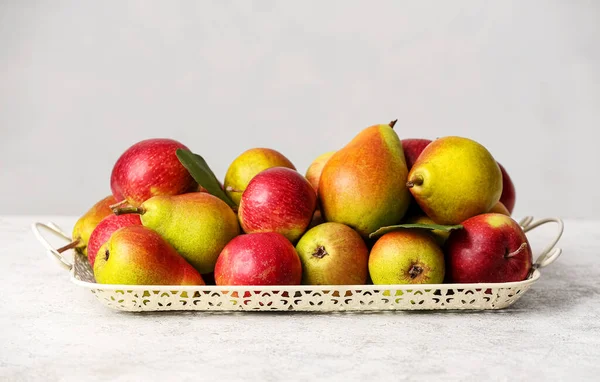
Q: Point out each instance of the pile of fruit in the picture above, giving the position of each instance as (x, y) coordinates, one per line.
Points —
(379, 210)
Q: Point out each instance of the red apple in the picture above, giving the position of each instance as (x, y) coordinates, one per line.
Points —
(508, 196)
(258, 259)
(105, 228)
(412, 149)
(150, 168)
(278, 200)
(491, 248)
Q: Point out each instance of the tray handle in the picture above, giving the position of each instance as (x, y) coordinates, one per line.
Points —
(549, 254)
(50, 250)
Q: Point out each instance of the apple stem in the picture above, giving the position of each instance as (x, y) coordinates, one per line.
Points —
(519, 250)
(393, 123)
(417, 180)
(71, 245)
(231, 189)
(129, 210)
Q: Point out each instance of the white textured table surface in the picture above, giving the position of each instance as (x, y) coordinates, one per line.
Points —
(51, 329)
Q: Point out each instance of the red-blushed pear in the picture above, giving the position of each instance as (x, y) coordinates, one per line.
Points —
(407, 256)
(491, 248)
(196, 224)
(247, 165)
(258, 259)
(333, 254)
(313, 173)
(509, 196)
(150, 168)
(454, 179)
(105, 229)
(363, 185)
(278, 200)
(136, 255)
(413, 147)
(86, 224)
(499, 208)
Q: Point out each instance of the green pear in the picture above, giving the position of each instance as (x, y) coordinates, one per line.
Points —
(454, 179)
(247, 165)
(407, 256)
(198, 225)
(136, 255)
(363, 185)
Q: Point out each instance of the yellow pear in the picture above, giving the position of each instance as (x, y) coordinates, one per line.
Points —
(454, 179)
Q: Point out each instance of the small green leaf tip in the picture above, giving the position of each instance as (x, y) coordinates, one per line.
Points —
(201, 172)
(439, 227)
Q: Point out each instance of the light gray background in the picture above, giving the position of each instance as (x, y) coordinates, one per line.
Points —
(81, 81)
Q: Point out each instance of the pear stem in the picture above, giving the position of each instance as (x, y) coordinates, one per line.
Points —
(519, 250)
(417, 180)
(393, 123)
(129, 210)
(71, 245)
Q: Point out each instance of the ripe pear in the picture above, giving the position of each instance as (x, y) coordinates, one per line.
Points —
(408, 256)
(137, 255)
(104, 231)
(247, 165)
(313, 173)
(333, 254)
(87, 223)
(363, 185)
(198, 225)
(454, 179)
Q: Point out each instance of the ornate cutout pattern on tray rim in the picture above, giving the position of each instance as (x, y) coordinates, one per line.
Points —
(305, 297)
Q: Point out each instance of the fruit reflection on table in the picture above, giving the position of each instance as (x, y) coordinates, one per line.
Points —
(379, 210)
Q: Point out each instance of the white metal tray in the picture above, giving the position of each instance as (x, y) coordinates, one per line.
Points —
(135, 298)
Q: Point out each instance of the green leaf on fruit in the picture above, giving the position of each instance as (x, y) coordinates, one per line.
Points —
(431, 227)
(199, 170)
